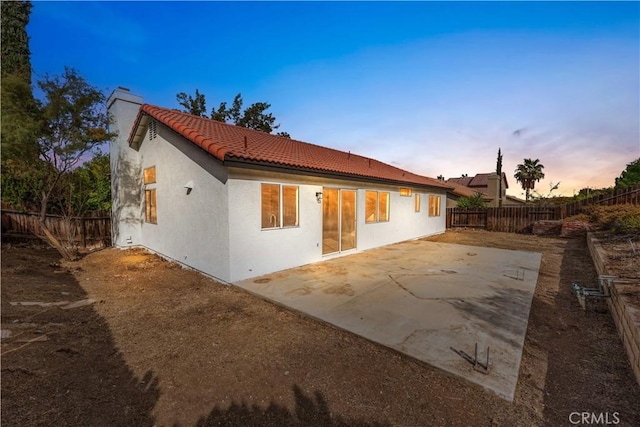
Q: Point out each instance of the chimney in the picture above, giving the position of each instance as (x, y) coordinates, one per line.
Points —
(126, 220)
(493, 189)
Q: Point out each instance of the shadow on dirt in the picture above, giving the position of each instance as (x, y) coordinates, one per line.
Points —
(587, 370)
(309, 411)
(61, 367)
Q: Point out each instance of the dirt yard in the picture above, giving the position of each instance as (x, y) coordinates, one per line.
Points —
(166, 346)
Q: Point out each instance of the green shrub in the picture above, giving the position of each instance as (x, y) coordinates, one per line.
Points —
(475, 201)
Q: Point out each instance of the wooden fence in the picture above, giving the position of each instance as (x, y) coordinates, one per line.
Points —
(518, 218)
(85, 233)
(513, 219)
(629, 195)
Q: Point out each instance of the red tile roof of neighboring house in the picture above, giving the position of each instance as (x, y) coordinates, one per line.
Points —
(464, 191)
(234, 143)
(464, 180)
(479, 180)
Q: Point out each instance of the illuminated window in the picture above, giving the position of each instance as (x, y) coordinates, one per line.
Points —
(289, 206)
(405, 192)
(150, 211)
(370, 206)
(279, 206)
(150, 175)
(417, 202)
(383, 207)
(434, 205)
(376, 206)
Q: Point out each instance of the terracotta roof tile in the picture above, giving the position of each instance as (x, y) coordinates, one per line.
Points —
(228, 142)
(479, 180)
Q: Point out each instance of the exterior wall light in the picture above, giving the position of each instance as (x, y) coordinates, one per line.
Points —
(319, 196)
(189, 187)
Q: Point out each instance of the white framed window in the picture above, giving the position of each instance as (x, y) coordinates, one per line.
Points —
(405, 192)
(376, 206)
(434, 205)
(150, 206)
(280, 206)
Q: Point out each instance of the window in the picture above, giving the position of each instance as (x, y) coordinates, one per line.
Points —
(150, 211)
(150, 208)
(417, 202)
(434, 205)
(376, 206)
(289, 206)
(150, 175)
(405, 192)
(383, 206)
(279, 206)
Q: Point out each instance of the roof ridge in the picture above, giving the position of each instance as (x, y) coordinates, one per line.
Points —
(225, 141)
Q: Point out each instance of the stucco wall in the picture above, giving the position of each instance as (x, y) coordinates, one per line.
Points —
(404, 222)
(123, 107)
(191, 228)
(255, 252)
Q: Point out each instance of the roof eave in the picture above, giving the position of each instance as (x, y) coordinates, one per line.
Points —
(232, 161)
(138, 130)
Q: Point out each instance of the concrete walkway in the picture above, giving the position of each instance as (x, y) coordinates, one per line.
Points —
(422, 298)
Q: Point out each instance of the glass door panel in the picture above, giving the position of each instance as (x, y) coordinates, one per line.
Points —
(348, 220)
(330, 221)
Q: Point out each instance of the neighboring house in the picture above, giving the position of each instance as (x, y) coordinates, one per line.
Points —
(487, 184)
(236, 203)
(459, 191)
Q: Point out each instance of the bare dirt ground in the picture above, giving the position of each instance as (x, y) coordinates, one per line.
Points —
(623, 254)
(166, 346)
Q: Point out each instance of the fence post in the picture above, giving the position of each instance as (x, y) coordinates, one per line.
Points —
(83, 233)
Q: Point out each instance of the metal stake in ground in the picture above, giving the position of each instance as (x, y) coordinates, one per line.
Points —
(478, 366)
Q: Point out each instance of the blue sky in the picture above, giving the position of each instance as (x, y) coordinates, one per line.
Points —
(432, 87)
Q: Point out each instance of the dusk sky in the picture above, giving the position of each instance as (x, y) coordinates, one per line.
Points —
(431, 87)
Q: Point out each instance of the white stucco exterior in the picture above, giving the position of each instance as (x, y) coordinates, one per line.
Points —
(255, 252)
(123, 107)
(191, 228)
(216, 227)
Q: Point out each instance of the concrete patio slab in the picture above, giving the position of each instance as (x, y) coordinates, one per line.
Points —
(422, 299)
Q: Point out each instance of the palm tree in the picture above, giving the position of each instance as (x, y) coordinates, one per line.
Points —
(528, 173)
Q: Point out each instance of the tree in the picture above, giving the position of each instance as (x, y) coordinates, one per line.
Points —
(75, 124)
(19, 109)
(535, 195)
(253, 117)
(193, 105)
(16, 56)
(87, 188)
(499, 173)
(630, 176)
(528, 173)
(43, 141)
(20, 125)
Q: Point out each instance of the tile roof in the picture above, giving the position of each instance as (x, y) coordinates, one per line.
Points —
(479, 180)
(464, 180)
(464, 191)
(234, 143)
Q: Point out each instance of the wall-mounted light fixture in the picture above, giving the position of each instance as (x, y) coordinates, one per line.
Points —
(189, 187)
(319, 196)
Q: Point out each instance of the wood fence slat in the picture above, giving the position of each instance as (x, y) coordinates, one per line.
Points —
(85, 232)
(516, 219)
